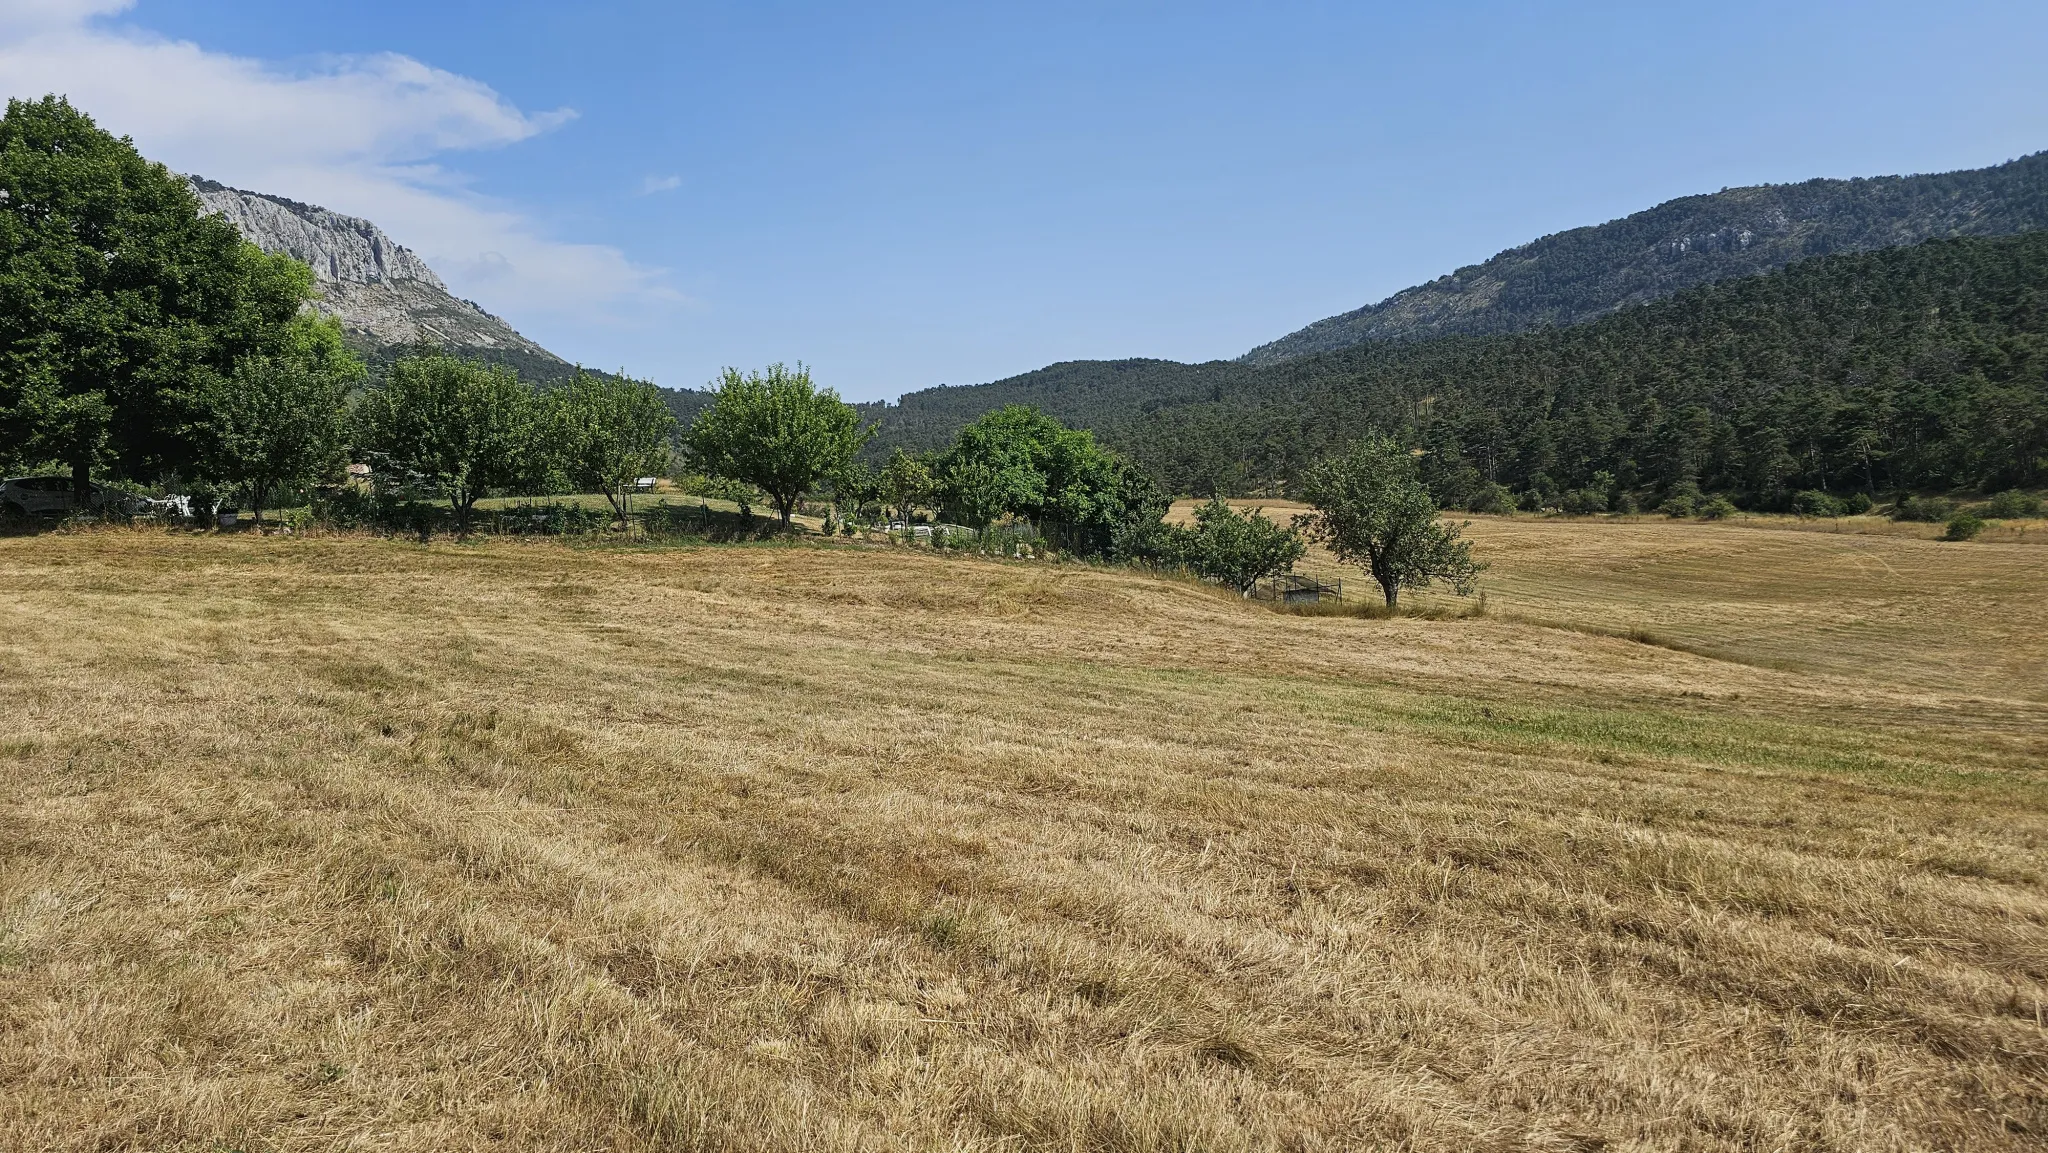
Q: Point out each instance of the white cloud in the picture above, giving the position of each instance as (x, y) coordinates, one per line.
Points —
(360, 134)
(654, 184)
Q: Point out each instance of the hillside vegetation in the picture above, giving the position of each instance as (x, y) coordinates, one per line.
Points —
(1584, 273)
(1915, 367)
(314, 843)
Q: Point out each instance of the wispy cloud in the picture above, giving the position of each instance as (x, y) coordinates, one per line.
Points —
(654, 184)
(364, 135)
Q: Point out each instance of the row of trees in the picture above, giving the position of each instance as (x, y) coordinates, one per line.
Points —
(141, 338)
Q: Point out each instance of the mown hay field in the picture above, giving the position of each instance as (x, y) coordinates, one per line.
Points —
(1853, 597)
(344, 843)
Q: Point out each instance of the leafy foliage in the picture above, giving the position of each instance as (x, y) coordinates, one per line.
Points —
(1373, 511)
(906, 482)
(464, 427)
(610, 431)
(776, 430)
(1018, 461)
(1237, 549)
(121, 307)
(277, 424)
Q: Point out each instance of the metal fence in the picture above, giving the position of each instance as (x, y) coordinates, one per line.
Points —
(1295, 589)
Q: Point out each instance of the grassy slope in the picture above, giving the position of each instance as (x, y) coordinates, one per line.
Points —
(319, 842)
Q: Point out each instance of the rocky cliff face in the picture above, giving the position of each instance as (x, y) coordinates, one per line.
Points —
(384, 295)
(1588, 272)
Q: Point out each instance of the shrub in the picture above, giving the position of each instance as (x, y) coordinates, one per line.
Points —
(1531, 501)
(1962, 527)
(1491, 498)
(1584, 501)
(1682, 500)
(1717, 509)
(1927, 509)
(1815, 503)
(1857, 503)
(2012, 504)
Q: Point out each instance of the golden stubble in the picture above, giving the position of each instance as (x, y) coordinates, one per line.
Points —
(345, 843)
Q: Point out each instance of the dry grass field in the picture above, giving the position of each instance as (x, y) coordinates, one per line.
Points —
(1862, 598)
(337, 843)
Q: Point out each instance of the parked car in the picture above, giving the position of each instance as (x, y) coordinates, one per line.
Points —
(55, 496)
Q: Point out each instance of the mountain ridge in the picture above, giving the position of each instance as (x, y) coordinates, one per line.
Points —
(385, 296)
(1584, 273)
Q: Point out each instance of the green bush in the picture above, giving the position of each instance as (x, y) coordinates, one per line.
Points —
(546, 519)
(1963, 527)
(1857, 503)
(2013, 504)
(1925, 509)
(1683, 500)
(1531, 501)
(1815, 503)
(1491, 498)
(1718, 508)
(1584, 501)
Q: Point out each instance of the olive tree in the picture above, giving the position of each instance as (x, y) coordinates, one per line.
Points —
(1372, 510)
(777, 431)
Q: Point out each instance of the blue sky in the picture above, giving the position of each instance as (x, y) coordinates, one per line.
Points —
(904, 195)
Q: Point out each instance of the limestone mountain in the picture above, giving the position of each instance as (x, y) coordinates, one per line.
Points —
(385, 296)
(1584, 273)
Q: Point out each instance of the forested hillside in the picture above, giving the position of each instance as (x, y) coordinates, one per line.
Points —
(1586, 273)
(1097, 394)
(1923, 366)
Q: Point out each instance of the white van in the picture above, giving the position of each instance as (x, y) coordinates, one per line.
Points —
(54, 496)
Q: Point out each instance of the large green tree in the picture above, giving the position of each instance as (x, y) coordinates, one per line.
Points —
(121, 306)
(778, 431)
(612, 430)
(277, 423)
(1372, 510)
(461, 426)
(1019, 461)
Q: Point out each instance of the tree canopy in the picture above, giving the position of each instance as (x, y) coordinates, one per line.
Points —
(121, 306)
(276, 423)
(778, 431)
(610, 431)
(1237, 549)
(1018, 461)
(461, 426)
(1372, 510)
(1907, 368)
